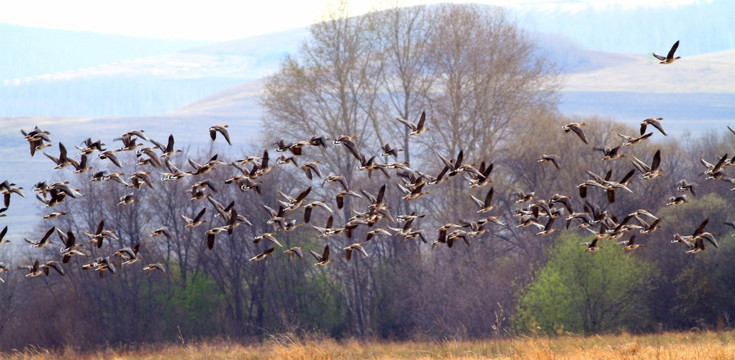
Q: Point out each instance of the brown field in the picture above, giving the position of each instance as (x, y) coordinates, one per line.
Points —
(688, 345)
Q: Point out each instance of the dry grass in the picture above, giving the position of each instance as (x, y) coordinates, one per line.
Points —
(689, 345)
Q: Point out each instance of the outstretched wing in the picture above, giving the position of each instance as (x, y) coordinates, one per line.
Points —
(673, 50)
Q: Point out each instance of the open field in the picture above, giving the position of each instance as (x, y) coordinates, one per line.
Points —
(686, 345)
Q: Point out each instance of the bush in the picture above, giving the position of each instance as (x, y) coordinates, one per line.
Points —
(585, 292)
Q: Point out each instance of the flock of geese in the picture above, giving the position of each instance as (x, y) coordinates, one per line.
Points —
(376, 215)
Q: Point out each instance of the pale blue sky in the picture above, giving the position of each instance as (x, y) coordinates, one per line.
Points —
(217, 20)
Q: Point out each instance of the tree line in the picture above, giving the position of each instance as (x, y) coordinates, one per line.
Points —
(487, 92)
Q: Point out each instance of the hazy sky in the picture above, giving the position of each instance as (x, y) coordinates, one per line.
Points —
(214, 19)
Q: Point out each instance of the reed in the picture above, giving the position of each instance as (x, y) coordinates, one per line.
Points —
(671, 345)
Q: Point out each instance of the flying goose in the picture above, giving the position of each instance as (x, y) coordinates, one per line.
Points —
(293, 203)
(485, 206)
(328, 230)
(523, 197)
(100, 234)
(677, 200)
(150, 267)
(336, 178)
(174, 172)
(167, 150)
(129, 143)
(715, 171)
(554, 159)
(311, 168)
(591, 246)
(295, 251)
(355, 246)
(33, 270)
(128, 199)
(684, 186)
(130, 134)
(669, 58)
(139, 178)
(388, 150)
(44, 240)
(483, 179)
(378, 231)
(610, 153)
(319, 140)
(3, 268)
(196, 221)
(416, 129)
(129, 255)
(577, 128)
(117, 177)
(2, 235)
(63, 160)
(322, 259)
(649, 172)
(546, 229)
(110, 154)
(89, 146)
(222, 129)
(211, 234)
(653, 121)
(630, 244)
(630, 140)
(412, 194)
(262, 255)
(267, 236)
(36, 138)
(283, 159)
(339, 197)
(683, 239)
(201, 169)
(100, 265)
(152, 156)
(308, 209)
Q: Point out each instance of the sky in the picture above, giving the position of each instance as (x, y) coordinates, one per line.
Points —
(219, 20)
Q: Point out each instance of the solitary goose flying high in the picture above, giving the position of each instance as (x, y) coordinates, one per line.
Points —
(669, 58)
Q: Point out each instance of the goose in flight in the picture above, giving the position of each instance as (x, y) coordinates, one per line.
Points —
(485, 205)
(416, 129)
(649, 172)
(222, 129)
(576, 127)
(591, 246)
(669, 58)
(100, 234)
(262, 255)
(655, 122)
(44, 240)
(554, 159)
(630, 244)
(157, 266)
(632, 140)
(355, 246)
(295, 251)
(191, 223)
(322, 259)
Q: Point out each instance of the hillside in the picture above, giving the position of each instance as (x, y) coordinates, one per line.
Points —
(146, 85)
(28, 51)
(705, 26)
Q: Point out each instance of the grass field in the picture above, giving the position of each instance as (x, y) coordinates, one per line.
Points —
(688, 345)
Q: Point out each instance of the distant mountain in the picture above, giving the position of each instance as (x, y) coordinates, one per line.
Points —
(703, 27)
(29, 51)
(73, 74)
(147, 85)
